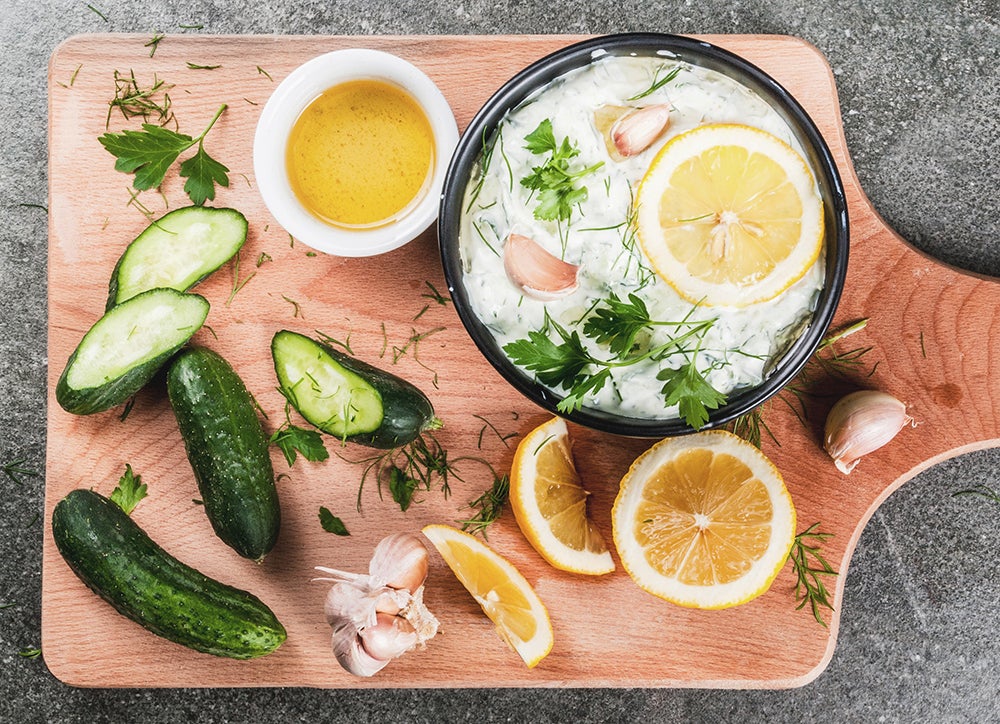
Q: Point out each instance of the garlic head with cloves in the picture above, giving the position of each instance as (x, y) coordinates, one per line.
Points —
(861, 423)
(379, 616)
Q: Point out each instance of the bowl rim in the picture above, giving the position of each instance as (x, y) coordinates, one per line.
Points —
(483, 125)
(296, 91)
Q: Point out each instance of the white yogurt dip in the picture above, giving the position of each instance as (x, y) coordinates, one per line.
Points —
(742, 346)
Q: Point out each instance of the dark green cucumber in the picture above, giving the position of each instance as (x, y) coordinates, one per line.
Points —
(347, 398)
(125, 567)
(177, 251)
(227, 449)
(126, 347)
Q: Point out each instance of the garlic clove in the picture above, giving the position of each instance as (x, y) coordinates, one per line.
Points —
(535, 271)
(390, 637)
(605, 117)
(349, 604)
(635, 132)
(400, 562)
(861, 423)
(351, 654)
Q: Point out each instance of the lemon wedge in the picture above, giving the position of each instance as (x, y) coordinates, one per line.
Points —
(550, 504)
(503, 593)
(703, 521)
(729, 215)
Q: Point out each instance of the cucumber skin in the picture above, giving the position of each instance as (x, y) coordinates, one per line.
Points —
(120, 563)
(406, 411)
(113, 282)
(227, 449)
(111, 394)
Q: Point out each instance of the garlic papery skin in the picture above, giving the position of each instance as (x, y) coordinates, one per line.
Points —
(861, 423)
(536, 272)
(635, 132)
(399, 561)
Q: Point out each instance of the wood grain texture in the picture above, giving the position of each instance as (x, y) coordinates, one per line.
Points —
(933, 331)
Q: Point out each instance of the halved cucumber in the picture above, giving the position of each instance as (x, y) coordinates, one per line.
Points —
(126, 347)
(347, 398)
(177, 251)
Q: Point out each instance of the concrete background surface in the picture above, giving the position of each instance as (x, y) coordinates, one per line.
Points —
(919, 87)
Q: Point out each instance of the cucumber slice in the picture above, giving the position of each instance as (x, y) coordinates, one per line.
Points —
(327, 394)
(126, 347)
(345, 397)
(177, 251)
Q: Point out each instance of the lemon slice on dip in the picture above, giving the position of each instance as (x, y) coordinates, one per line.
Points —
(703, 521)
(499, 588)
(729, 215)
(550, 504)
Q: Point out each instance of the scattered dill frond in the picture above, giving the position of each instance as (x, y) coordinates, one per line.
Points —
(135, 101)
(237, 284)
(297, 309)
(264, 256)
(658, 82)
(344, 344)
(16, 472)
(98, 13)
(413, 343)
(198, 26)
(154, 43)
(35, 206)
(982, 491)
(195, 66)
(810, 567)
(489, 506)
(487, 425)
(29, 653)
(435, 295)
(749, 426)
(261, 71)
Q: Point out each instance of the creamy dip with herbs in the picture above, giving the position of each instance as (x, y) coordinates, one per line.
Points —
(742, 346)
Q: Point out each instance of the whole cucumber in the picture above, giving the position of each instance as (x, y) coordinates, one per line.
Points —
(124, 566)
(228, 450)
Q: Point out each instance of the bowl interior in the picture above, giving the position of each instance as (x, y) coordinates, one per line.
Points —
(482, 128)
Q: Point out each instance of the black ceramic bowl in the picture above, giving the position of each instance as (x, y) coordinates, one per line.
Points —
(695, 52)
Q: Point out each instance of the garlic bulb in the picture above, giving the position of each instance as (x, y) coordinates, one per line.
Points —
(861, 423)
(380, 616)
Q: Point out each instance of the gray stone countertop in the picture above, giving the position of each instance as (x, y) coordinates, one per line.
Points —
(919, 87)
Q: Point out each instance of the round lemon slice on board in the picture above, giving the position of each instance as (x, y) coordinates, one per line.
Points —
(550, 504)
(729, 215)
(499, 588)
(703, 521)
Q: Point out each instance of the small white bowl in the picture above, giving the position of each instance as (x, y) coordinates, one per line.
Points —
(290, 98)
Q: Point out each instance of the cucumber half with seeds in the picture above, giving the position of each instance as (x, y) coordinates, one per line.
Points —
(347, 398)
(177, 251)
(124, 566)
(126, 347)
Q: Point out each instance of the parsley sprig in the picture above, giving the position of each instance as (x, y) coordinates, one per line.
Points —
(556, 184)
(129, 492)
(565, 362)
(151, 152)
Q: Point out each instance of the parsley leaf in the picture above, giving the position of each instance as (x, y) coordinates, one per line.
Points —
(690, 391)
(618, 323)
(129, 492)
(331, 523)
(151, 152)
(555, 365)
(294, 440)
(202, 173)
(555, 183)
(402, 486)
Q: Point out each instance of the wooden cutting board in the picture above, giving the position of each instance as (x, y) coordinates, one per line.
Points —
(932, 331)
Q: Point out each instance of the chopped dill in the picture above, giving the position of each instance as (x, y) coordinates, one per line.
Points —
(264, 257)
(15, 471)
(481, 236)
(923, 349)
(135, 101)
(154, 43)
(98, 13)
(297, 309)
(982, 491)
(327, 339)
(199, 26)
(261, 71)
(435, 295)
(487, 425)
(237, 284)
(657, 82)
(195, 66)
(489, 506)
(35, 206)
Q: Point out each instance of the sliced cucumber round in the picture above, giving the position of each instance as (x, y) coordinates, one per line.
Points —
(126, 347)
(177, 251)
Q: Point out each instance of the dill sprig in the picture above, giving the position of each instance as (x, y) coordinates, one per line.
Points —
(657, 83)
(489, 506)
(982, 491)
(15, 471)
(749, 426)
(237, 284)
(810, 567)
(154, 43)
(420, 464)
(487, 425)
(135, 101)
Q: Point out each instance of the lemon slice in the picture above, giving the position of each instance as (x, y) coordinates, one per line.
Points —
(550, 504)
(703, 521)
(729, 215)
(502, 592)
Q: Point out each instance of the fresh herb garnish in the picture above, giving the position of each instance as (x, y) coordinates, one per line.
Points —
(749, 426)
(296, 307)
(237, 284)
(98, 13)
(154, 43)
(28, 653)
(982, 491)
(345, 344)
(264, 256)
(133, 101)
(331, 523)
(422, 463)
(261, 71)
(293, 440)
(657, 82)
(489, 506)
(149, 153)
(129, 492)
(401, 487)
(195, 66)
(810, 567)
(15, 469)
(690, 391)
(435, 295)
(489, 425)
(555, 183)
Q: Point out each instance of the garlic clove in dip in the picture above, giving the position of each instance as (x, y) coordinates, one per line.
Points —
(535, 271)
(635, 132)
(861, 423)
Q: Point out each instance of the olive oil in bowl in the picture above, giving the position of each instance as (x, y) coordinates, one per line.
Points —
(361, 154)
